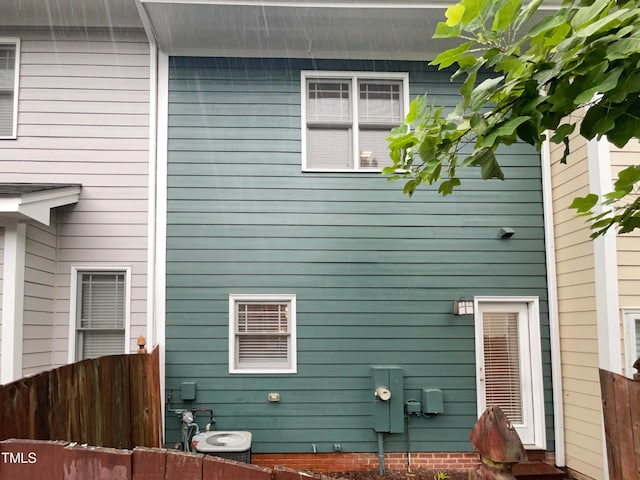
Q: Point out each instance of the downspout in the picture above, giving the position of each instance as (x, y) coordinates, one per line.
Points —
(156, 231)
(552, 294)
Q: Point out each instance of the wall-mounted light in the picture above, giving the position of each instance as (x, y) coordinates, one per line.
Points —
(462, 306)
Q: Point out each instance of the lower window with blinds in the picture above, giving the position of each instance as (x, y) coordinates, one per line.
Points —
(262, 334)
(101, 311)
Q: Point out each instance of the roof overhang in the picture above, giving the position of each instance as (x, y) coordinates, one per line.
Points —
(347, 29)
(34, 201)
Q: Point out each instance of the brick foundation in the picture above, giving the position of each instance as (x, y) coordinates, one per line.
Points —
(340, 462)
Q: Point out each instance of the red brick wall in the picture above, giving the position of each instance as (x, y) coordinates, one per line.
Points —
(341, 462)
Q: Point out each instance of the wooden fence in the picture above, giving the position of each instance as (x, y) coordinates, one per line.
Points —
(39, 460)
(621, 409)
(110, 401)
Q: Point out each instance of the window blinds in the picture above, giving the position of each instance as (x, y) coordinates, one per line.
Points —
(102, 314)
(263, 334)
(502, 363)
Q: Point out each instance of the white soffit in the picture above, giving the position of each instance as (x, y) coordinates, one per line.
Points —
(297, 29)
(32, 201)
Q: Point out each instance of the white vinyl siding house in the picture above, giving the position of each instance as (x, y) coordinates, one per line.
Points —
(83, 119)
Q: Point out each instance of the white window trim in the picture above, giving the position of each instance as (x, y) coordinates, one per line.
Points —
(16, 88)
(235, 298)
(537, 393)
(630, 315)
(73, 303)
(354, 77)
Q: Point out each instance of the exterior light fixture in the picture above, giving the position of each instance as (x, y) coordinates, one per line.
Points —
(462, 306)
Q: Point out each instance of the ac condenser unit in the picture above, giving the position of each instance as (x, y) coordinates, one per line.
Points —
(232, 445)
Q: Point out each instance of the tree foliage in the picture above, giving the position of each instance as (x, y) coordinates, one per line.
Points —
(519, 80)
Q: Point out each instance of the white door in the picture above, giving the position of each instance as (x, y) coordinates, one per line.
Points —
(509, 364)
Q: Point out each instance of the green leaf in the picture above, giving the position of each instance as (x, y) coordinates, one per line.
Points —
(504, 129)
(562, 132)
(505, 15)
(451, 56)
(526, 13)
(467, 88)
(586, 14)
(584, 204)
(601, 24)
(445, 31)
(482, 92)
(472, 10)
(454, 14)
(606, 83)
(447, 186)
(627, 124)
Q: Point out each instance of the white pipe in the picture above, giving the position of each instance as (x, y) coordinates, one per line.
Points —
(552, 300)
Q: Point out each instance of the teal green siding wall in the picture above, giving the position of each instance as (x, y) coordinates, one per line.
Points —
(374, 272)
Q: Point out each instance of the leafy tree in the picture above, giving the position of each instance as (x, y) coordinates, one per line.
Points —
(517, 85)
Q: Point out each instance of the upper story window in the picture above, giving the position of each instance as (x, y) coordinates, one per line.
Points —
(9, 56)
(347, 116)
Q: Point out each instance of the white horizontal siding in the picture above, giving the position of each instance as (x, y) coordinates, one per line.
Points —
(39, 296)
(83, 118)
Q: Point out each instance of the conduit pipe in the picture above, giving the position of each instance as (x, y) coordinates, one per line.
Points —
(380, 453)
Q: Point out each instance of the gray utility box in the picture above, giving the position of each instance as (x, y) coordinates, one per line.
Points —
(388, 399)
(432, 401)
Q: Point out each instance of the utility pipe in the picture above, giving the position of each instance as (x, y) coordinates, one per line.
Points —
(380, 453)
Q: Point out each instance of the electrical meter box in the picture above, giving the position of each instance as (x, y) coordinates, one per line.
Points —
(388, 399)
(432, 401)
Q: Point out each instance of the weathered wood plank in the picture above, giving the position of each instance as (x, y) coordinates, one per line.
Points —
(621, 411)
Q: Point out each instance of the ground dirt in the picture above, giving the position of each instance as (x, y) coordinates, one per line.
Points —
(415, 474)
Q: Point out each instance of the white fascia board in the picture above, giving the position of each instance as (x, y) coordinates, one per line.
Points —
(606, 262)
(37, 205)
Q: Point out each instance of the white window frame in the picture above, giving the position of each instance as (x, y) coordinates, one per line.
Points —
(234, 299)
(630, 315)
(534, 376)
(76, 270)
(16, 87)
(354, 77)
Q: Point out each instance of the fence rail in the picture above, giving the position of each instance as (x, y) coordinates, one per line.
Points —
(111, 401)
(621, 409)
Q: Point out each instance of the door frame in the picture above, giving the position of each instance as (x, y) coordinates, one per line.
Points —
(535, 357)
